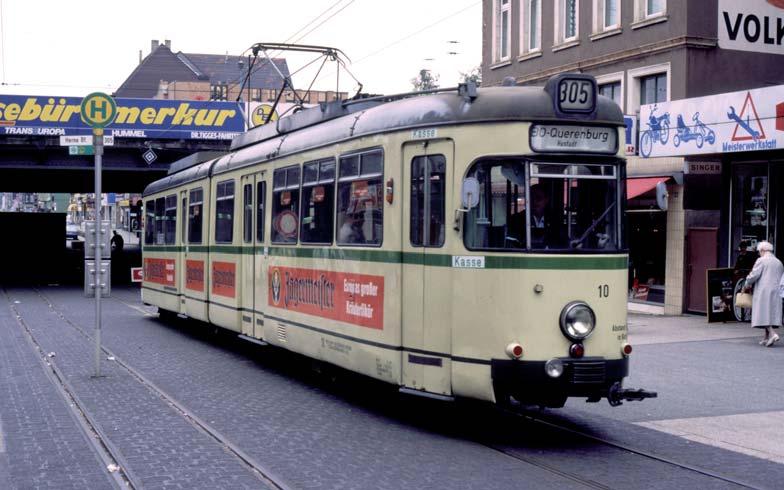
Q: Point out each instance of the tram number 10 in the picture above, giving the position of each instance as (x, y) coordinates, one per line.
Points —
(575, 95)
(604, 290)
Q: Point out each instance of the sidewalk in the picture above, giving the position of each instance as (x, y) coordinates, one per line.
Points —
(658, 329)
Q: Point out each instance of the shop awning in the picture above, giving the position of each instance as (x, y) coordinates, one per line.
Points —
(639, 186)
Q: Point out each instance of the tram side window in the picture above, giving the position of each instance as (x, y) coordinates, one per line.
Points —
(149, 222)
(170, 220)
(285, 204)
(160, 216)
(195, 215)
(430, 218)
(224, 209)
(499, 219)
(360, 212)
(261, 192)
(247, 213)
(318, 197)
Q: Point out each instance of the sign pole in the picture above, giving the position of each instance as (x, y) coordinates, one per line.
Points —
(98, 110)
(98, 143)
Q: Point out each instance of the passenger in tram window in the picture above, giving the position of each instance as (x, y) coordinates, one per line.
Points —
(539, 201)
(766, 307)
(117, 242)
(351, 229)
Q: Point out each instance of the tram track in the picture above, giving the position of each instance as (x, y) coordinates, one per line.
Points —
(613, 444)
(109, 453)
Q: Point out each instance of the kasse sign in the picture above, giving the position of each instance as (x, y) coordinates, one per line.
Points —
(752, 25)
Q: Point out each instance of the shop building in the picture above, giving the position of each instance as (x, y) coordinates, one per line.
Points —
(645, 54)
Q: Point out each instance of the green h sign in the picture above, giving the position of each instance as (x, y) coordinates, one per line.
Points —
(98, 110)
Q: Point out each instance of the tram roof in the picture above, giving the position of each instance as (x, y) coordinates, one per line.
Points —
(344, 120)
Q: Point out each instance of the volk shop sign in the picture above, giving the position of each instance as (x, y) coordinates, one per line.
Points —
(752, 25)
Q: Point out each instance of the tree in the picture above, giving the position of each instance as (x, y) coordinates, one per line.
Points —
(475, 75)
(424, 81)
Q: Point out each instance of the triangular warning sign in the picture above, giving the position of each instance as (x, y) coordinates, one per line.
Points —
(751, 127)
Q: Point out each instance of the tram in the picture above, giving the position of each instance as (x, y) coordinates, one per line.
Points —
(455, 243)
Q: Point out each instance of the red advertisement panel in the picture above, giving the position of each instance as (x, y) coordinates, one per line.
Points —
(159, 271)
(194, 275)
(349, 298)
(224, 278)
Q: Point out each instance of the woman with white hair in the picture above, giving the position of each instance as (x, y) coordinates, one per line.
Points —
(766, 302)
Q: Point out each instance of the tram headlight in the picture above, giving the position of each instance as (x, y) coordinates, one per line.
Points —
(577, 320)
(554, 368)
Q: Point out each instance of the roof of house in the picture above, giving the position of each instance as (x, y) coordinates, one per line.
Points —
(163, 65)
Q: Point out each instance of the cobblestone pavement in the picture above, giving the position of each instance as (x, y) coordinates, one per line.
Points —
(312, 433)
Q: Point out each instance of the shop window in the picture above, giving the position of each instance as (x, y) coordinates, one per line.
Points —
(360, 211)
(285, 204)
(428, 198)
(149, 222)
(224, 212)
(318, 197)
(195, 215)
(750, 214)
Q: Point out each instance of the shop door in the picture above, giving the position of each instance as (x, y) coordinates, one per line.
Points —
(702, 244)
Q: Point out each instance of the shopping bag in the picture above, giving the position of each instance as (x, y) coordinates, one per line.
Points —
(743, 300)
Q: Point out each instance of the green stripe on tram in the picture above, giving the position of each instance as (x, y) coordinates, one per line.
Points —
(397, 257)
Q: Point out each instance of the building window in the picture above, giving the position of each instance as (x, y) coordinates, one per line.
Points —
(653, 88)
(566, 21)
(219, 91)
(531, 20)
(647, 9)
(503, 29)
(654, 7)
(607, 15)
(646, 85)
(612, 91)
(255, 95)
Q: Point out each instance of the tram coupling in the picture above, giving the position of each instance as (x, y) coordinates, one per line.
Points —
(617, 394)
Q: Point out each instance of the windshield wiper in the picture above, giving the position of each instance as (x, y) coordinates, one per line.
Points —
(576, 243)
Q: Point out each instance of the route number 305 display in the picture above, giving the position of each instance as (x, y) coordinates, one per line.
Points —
(576, 95)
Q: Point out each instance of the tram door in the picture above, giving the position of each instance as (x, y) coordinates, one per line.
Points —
(182, 257)
(249, 196)
(427, 285)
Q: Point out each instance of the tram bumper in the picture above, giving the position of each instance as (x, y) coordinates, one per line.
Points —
(529, 383)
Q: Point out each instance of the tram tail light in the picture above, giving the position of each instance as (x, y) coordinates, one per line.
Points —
(626, 349)
(514, 350)
(577, 351)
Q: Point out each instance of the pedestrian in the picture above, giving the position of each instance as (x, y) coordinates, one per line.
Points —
(117, 242)
(766, 307)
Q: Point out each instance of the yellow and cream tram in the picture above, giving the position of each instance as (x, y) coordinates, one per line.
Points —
(464, 243)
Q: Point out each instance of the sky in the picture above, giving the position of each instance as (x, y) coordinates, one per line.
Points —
(75, 47)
